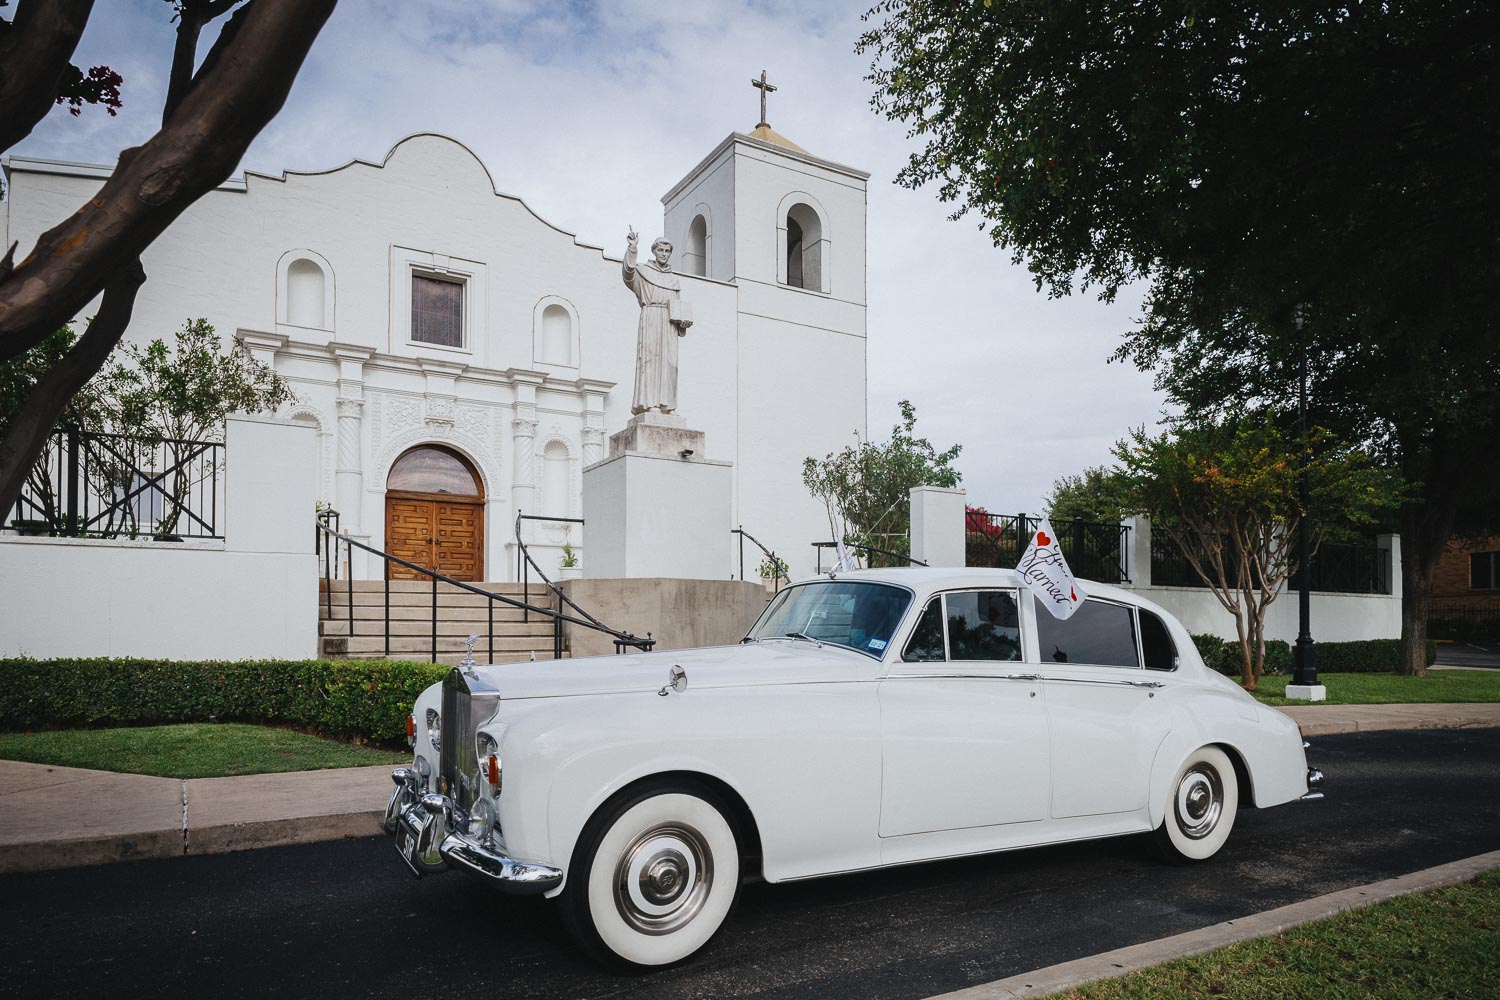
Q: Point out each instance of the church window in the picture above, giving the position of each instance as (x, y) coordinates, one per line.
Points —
(804, 248)
(304, 293)
(437, 311)
(430, 469)
(557, 335)
(696, 256)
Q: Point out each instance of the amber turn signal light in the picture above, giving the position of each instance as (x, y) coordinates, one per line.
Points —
(492, 771)
(411, 731)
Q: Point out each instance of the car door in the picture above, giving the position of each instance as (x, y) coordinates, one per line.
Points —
(963, 729)
(1106, 716)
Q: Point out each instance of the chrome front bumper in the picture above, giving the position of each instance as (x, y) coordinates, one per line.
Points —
(429, 839)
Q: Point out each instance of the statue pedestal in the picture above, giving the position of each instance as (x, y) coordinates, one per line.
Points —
(654, 515)
(665, 435)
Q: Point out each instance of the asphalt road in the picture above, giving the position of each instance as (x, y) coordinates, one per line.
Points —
(346, 919)
(1469, 654)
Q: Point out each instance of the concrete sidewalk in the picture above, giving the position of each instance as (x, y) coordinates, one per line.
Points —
(62, 817)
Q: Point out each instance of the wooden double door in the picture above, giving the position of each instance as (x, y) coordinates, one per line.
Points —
(440, 533)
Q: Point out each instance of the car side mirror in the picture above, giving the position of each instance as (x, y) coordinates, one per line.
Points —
(676, 681)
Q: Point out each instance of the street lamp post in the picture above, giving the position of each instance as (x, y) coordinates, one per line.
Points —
(1304, 685)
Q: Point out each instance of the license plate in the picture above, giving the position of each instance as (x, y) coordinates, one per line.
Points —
(405, 843)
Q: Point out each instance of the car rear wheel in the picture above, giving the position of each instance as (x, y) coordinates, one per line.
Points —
(653, 877)
(1200, 811)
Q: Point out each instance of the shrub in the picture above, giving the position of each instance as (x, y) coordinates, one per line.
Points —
(1360, 656)
(347, 698)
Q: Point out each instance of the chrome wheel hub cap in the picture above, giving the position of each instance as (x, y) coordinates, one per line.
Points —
(1200, 802)
(663, 879)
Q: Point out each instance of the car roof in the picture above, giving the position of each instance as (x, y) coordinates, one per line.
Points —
(926, 579)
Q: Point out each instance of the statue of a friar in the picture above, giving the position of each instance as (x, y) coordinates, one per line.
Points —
(664, 318)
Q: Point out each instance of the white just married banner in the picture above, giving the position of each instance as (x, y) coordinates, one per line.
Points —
(1046, 574)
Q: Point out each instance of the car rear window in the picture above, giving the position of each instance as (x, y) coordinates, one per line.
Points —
(1098, 634)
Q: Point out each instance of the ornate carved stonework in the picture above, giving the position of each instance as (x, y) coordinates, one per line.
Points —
(440, 410)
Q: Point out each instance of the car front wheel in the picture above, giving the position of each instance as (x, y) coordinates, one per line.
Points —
(653, 877)
(1200, 811)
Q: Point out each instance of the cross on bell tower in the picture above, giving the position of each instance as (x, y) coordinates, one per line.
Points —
(764, 88)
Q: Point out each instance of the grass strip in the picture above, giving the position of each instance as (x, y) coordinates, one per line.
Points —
(191, 750)
(1441, 943)
(1392, 689)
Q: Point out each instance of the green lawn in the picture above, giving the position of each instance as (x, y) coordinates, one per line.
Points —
(1390, 689)
(194, 750)
(1434, 944)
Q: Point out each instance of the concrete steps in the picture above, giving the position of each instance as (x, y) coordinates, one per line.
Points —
(359, 631)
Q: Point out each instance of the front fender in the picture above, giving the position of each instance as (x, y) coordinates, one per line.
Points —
(804, 759)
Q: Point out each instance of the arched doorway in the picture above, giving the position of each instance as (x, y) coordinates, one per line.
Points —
(434, 514)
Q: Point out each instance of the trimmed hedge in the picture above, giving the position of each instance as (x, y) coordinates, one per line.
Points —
(1360, 656)
(347, 698)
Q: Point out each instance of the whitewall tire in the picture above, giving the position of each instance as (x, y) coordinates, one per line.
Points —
(1201, 805)
(653, 877)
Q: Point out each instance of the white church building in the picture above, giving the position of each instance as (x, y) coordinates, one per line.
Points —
(461, 359)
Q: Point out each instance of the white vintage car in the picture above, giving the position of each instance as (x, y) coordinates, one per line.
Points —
(874, 718)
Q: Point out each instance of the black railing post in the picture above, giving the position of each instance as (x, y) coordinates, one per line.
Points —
(387, 575)
(72, 522)
(490, 605)
(557, 638)
(434, 617)
(349, 589)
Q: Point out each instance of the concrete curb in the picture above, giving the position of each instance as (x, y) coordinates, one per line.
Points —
(1111, 964)
(1315, 721)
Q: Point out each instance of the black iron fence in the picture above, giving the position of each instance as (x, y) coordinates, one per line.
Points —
(89, 484)
(1464, 619)
(1339, 568)
(1336, 568)
(1095, 550)
(770, 559)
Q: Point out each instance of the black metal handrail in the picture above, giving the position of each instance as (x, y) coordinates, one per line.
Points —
(776, 564)
(329, 540)
(904, 557)
(90, 483)
(1095, 550)
(525, 564)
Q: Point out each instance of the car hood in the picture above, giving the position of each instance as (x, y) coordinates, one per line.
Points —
(771, 661)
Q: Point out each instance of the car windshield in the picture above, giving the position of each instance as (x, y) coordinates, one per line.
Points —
(858, 615)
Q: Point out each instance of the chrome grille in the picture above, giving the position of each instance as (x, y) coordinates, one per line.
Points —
(468, 701)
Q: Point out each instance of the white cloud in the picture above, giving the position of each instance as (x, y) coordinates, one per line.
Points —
(591, 111)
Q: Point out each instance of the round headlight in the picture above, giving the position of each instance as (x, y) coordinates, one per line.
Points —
(485, 745)
(435, 729)
(482, 819)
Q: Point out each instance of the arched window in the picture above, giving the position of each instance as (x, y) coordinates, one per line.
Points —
(557, 336)
(555, 479)
(804, 248)
(695, 258)
(433, 469)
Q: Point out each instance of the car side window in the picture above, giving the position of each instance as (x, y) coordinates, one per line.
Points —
(984, 625)
(1156, 643)
(1098, 634)
(926, 643)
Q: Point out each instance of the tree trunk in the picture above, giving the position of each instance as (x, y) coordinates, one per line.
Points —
(29, 426)
(1426, 525)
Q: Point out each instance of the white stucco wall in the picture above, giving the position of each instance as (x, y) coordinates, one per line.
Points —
(251, 596)
(1332, 617)
(771, 374)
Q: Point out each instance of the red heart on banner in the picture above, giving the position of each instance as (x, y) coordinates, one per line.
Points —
(1042, 539)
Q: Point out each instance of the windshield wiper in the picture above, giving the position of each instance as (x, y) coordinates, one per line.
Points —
(804, 635)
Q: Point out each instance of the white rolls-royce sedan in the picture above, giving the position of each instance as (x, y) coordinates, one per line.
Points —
(867, 719)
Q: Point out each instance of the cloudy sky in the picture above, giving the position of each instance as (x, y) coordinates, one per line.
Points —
(591, 111)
